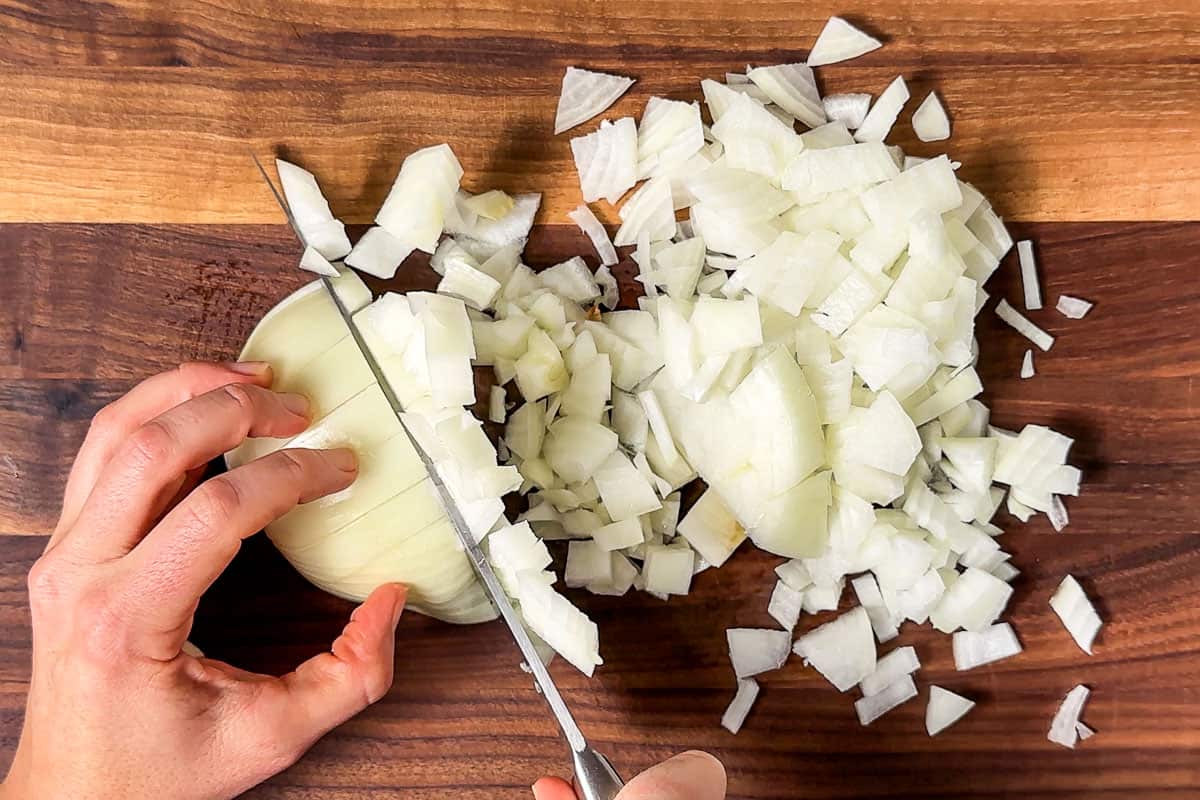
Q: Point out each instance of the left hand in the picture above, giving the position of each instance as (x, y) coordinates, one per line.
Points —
(117, 708)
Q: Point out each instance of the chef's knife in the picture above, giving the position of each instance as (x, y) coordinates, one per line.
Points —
(595, 778)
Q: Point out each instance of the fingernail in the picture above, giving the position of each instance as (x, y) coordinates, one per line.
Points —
(296, 403)
(398, 608)
(249, 367)
(343, 458)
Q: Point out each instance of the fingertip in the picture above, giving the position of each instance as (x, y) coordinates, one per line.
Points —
(259, 370)
(342, 458)
(552, 789)
(707, 762)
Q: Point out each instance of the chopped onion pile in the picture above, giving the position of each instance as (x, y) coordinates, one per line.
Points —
(805, 346)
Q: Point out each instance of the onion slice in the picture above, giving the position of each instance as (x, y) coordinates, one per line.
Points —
(1023, 326)
(879, 120)
(889, 669)
(587, 222)
(313, 261)
(739, 707)
(585, 94)
(1072, 307)
(1029, 279)
(756, 650)
(842, 650)
(840, 41)
(1027, 370)
(973, 649)
(1077, 613)
(872, 707)
(945, 708)
(1063, 728)
(929, 121)
(849, 109)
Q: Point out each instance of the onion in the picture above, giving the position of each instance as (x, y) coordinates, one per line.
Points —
(879, 120)
(1073, 307)
(313, 261)
(587, 222)
(793, 88)
(945, 708)
(1078, 615)
(974, 649)
(426, 187)
(872, 707)
(607, 160)
(785, 605)
(585, 94)
(711, 529)
(842, 650)
(1029, 281)
(929, 121)
(739, 707)
(840, 41)
(378, 253)
(1064, 727)
(849, 109)
(1027, 370)
(668, 569)
(670, 133)
(318, 227)
(893, 667)
(753, 651)
(649, 210)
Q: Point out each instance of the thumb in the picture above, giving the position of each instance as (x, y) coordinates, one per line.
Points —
(328, 689)
(693, 775)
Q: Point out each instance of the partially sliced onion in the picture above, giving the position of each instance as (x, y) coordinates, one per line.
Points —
(739, 707)
(945, 708)
(753, 651)
(585, 94)
(929, 121)
(1077, 613)
(840, 41)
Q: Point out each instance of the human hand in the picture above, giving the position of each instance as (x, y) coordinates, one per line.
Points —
(688, 776)
(116, 709)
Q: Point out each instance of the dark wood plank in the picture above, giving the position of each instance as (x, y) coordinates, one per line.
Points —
(462, 720)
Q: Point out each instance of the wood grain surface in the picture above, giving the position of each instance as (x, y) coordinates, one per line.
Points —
(134, 234)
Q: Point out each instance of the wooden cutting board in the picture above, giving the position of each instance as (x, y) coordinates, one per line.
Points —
(134, 233)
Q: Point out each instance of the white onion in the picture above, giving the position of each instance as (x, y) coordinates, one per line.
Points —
(1072, 307)
(840, 41)
(378, 253)
(606, 160)
(793, 88)
(1027, 370)
(945, 708)
(711, 529)
(1063, 728)
(670, 133)
(1078, 615)
(849, 109)
(585, 94)
(974, 649)
(867, 590)
(879, 120)
(929, 121)
(587, 222)
(1029, 279)
(414, 211)
(842, 650)
(318, 227)
(872, 707)
(753, 651)
(739, 707)
(890, 668)
(785, 605)
(313, 261)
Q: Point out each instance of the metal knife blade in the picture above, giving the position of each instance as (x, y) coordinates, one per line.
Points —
(585, 759)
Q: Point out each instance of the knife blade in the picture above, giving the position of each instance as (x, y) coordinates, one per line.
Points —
(595, 777)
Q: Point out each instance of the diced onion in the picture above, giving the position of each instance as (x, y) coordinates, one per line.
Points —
(840, 41)
(753, 651)
(842, 650)
(739, 707)
(1029, 279)
(1072, 307)
(1027, 370)
(872, 707)
(929, 121)
(313, 261)
(1063, 728)
(587, 222)
(890, 668)
(585, 94)
(945, 708)
(974, 649)
(879, 120)
(1077, 613)
(711, 529)
(849, 109)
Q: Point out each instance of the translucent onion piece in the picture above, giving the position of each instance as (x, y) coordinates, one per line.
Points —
(840, 41)
(1063, 728)
(929, 121)
(1029, 278)
(492, 205)
(1027, 370)
(649, 210)
(585, 94)
(1078, 615)
(669, 134)
(753, 651)
(475, 288)
(872, 707)
(945, 708)
(793, 88)
(890, 668)
(711, 529)
(558, 622)
(849, 109)
(974, 649)
(626, 493)
(1072, 307)
(587, 563)
(1023, 326)
(879, 120)
(426, 186)
(739, 707)
(842, 650)
(587, 222)
(606, 160)
(378, 253)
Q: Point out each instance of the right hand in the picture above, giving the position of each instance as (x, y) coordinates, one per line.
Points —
(693, 775)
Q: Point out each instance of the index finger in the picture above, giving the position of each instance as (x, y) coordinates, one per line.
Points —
(150, 398)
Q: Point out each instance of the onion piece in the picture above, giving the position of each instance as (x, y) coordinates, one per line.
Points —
(312, 261)
(587, 563)
(606, 160)
(739, 707)
(558, 622)
(576, 448)
(619, 535)
(929, 121)
(496, 411)
(867, 590)
(711, 529)
(1077, 613)
(840, 41)
(1072, 307)
(945, 708)
(626, 493)
(572, 279)
(793, 88)
(753, 651)
(879, 120)
(648, 211)
(928, 187)
(973, 602)
(849, 109)
(872, 707)
(585, 94)
(587, 222)
(785, 605)
(794, 574)
(610, 292)
(1023, 326)
(320, 229)
(842, 650)
(1084, 731)
(890, 668)
(974, 649)
(474, 287)
(416, 206)
(1063, 728)
(378, 253)
(669, 134)
(1029, 279)
(1027, 370)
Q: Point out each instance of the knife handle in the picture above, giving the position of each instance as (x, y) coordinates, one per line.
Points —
(595, 778)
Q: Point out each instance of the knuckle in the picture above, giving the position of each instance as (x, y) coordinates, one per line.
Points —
(241, 395)
(216, 502)
(103, 627)
(46, 585)
(152, 443)
(376, 681)
(293, 465)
